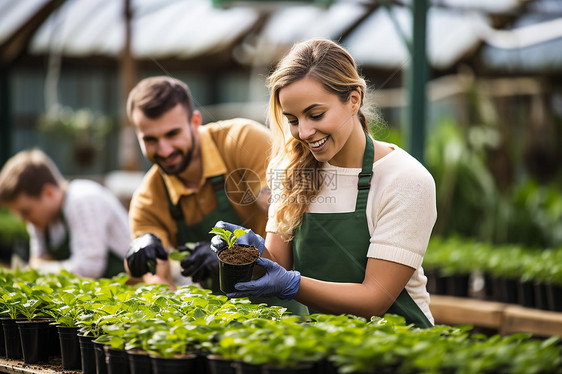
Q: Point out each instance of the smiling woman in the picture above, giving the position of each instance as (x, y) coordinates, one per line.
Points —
(354, 241)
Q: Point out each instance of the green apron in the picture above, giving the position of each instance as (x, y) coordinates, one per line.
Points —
(200, 232)
(333, 246)
(114, 264)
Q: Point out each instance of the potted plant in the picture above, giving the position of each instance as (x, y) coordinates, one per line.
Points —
(85, 129)
(236, 262)
(90, 328)
(34, 329)
(10, 299)
(66, 313)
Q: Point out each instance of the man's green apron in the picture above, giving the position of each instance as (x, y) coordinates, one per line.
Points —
(113, 266)
(333, 246)
(200, 232)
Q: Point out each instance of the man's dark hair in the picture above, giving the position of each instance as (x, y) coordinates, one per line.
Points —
(156, 95)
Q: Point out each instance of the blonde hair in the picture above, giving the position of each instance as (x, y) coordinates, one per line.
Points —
(332, 66)
(26, 173)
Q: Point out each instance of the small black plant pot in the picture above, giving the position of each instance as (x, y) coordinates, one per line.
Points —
(87, 354)
(541, 301)
(554, 297)
(219, 365)
(509, 290)
(300, 369)
(245, 368)
(505, 290)
(526, 294)
(2, 343)
(117, 360)
(139, 362)
(69, 347)
(325, 366)
(54, 340)
(101, 364)
(180, 365)
(232, 273)
(201, 366)
(12, 341)
(34, 337)
(457, 285)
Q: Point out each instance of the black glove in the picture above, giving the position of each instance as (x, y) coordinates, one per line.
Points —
(142, 254)
(201, 264)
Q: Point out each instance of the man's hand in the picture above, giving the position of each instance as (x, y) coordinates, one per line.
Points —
(201, 264)
(142, 254)
(277, 281)
(250, 238)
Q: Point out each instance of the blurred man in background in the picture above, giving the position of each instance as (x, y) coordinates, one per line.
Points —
(77, 225)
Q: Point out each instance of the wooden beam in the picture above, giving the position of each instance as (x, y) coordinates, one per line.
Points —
(537, 322)
(450, 310)
(505, 318)
(16, 44)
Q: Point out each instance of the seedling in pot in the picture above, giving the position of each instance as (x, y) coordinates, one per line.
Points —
(236, 262)
(235, 254)
(229, 237)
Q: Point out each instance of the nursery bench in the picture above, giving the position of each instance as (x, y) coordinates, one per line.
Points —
(505, 318)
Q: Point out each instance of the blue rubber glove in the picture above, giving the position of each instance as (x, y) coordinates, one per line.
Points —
(276, 282)
(250, 238)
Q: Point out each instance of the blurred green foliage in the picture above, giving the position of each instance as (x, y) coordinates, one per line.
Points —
(459, 255)
(12, 228)
(472, 198)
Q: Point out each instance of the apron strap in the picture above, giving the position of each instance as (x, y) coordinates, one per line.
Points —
(175, 209)
(218, 187)
(184, 232)
(62, 252)
(364, 180)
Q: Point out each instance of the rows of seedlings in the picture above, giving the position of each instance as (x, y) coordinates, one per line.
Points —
(514, 274)
(106, 326)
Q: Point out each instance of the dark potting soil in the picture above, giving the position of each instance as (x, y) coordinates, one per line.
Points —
(53, 366)
(239, 255)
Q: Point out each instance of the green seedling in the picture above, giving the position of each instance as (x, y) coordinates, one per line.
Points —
(151, 266)
(179, 255)
(229, 237)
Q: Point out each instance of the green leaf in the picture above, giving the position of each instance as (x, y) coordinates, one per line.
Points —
(178, 255)
(229, 237)
(151, 266)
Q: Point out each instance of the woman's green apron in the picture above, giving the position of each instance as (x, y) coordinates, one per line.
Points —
(113, 266)
(333, 246)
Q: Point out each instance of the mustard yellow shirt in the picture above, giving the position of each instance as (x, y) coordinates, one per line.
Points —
(238, 149)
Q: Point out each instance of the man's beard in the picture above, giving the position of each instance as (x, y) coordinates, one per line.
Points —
(184, 163)
(176, 169)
